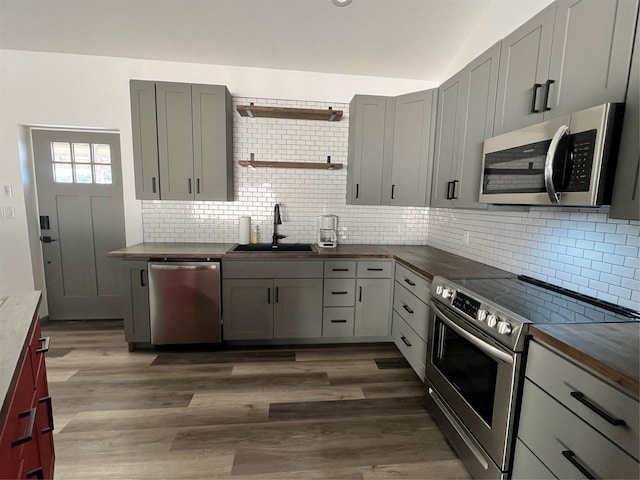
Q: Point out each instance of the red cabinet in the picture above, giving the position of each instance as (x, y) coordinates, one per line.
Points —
(26, 437)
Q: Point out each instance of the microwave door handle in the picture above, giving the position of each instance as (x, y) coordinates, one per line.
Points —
(488, 349)
(548, 164)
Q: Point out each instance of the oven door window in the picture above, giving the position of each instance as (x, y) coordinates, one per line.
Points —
(471, 372)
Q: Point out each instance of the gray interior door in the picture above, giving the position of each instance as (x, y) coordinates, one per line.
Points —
(79, 185)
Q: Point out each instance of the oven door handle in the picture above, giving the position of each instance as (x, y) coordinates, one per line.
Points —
(490, 350)
(548, 164)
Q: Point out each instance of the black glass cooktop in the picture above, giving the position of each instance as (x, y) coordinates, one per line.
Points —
(540, 302)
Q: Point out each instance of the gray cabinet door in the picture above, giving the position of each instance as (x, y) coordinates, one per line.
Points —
(477, 124)
(373, 307)
(175, 140)
(409, 181)
(247, 309)
(451, 111)
(212, 142)
(145, 139)
(368, 128)
(524, 63)
(134, 282)
(298, 308)
(625, 202)
(592, 43)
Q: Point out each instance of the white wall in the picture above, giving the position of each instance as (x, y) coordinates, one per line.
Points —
(62, 90)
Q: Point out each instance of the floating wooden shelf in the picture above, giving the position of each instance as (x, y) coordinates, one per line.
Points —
(313, 165)
(295, 113)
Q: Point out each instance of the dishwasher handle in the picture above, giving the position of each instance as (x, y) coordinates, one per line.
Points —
(174, 266)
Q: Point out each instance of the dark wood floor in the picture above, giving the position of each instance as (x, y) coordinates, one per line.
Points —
(344, 412)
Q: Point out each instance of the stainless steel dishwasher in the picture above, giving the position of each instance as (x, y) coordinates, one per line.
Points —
(184, 302)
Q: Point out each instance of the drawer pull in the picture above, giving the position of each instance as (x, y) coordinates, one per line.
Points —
(339, 269)
(616, 422)
(375, 269)
(269, 296)
(37, 473)
(360, 295)
(45, 345)
(410, 282)
(47, 399)
(407, 308)
(569, 455)
(405, 341)
(28, 434)
(339, 293)
(338, 321)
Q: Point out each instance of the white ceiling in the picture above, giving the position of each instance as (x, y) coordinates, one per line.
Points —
(409, 39)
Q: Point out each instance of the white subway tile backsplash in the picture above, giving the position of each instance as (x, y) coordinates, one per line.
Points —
(580, 249)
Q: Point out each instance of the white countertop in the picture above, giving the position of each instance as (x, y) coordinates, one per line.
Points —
(16, 315)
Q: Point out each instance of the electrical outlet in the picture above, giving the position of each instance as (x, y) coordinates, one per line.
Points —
(466, 237)
(6, 190)
(9, 212)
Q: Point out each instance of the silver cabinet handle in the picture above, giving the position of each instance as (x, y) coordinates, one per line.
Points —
(490, 350)
(548, 163)
(183, 267)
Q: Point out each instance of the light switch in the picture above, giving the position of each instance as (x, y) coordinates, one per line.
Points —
(6, 190)
(9, 212)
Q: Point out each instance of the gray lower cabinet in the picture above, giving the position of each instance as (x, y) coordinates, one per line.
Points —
(182, 141)
(465, 119)
(625, 201)
(574, 423)
(411, 317)
(573, 55)
(408, 179)
(134, 283)
(373, 298)
(279, 299)
(370, 144)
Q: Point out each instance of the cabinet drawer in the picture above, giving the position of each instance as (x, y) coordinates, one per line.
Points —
(272, 268)
(561, 440)
(526, 466)
(570, 383)
(339, 292)
(337, 322)
(340, 269)
(419, 286)
(413, 348)
(412, 310)
(375, 269)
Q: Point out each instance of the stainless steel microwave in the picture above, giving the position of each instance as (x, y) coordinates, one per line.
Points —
(567, 161)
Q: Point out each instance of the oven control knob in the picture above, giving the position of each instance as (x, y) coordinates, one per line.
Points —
(447, 293)
(492, 321)
(439, 290)
(481, 316)
(504, 328)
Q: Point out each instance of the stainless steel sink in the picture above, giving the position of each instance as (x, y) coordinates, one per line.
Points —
(267, 247)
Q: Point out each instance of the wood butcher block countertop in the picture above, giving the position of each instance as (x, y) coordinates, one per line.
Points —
(17, 313)
(611, 349)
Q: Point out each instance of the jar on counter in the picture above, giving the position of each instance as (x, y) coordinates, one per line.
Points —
(254, 234)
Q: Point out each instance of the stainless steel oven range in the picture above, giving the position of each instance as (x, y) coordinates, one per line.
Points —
(477, 347)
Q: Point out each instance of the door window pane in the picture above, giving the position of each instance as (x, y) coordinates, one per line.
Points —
(101, 153)
(62, 173)
(61, 152)
(81, 153)
(83, 173)
(103, 174)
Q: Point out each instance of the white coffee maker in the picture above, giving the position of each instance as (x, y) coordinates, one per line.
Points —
(327, 231)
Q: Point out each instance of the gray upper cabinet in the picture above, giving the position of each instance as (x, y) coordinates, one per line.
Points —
(592, 43)
(145, 139)
(524, 64)
(408, 178)
(573, 55)
(182, 141)
(465, 118)
(625, 202)
(370, 143)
